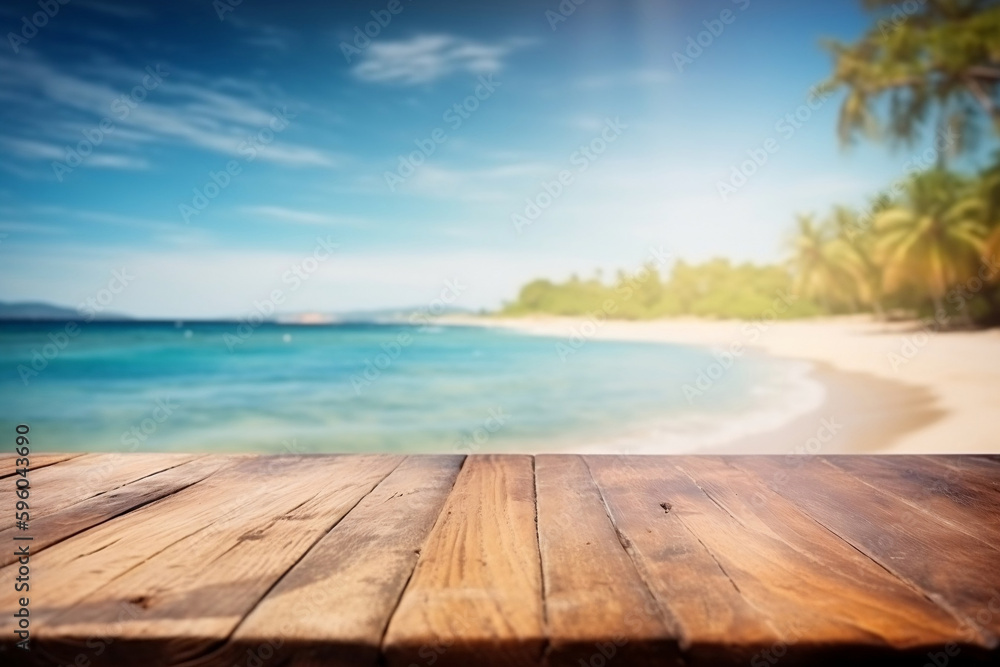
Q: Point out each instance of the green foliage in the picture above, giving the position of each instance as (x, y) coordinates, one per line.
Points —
(924, 250)
(935, 63)
(715, 289)
(933, 244)
(935, 237)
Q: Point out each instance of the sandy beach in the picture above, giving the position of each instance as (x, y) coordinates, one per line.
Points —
(893, 388)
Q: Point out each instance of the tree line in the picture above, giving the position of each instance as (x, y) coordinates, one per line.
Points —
(927, 244)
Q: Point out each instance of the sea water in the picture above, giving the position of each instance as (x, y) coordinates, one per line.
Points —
(217, 387)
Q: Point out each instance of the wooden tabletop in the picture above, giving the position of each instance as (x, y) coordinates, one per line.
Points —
(413, 561)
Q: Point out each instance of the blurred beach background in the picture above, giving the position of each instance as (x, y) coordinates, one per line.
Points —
(365, 387)
(741, 226)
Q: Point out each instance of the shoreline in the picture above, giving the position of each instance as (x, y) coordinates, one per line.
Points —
(891, 388)
(856, 404)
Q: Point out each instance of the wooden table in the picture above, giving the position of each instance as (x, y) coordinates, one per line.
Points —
(164, 559)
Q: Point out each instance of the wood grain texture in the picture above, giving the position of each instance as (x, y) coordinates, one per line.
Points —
(333, 607)
(75, 480)
(196, 589)
(980, 471)
(596, 603)
(791, 567)
(512, 560)
(715, 621)
(476, 593)
(941, 492)
(36, 461)
(53, 523)
(949, 567)
(189, 608)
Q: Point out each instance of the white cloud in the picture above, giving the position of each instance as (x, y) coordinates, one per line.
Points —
(32, 149)
(175, 110)
(297, 216)
(489, 184)
(117, 162)
(40, 150)
(426, 58)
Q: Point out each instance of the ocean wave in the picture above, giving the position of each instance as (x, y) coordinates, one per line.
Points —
(774, 404)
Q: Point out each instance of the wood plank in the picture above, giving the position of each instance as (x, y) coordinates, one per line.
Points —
(597, 606)
(150, 529)
(476, 594)
(57, 487)
(930, 488)
(557, 560)
(988, 458)
(788, 565)
(717, 624)
(972, 470)
(53, 527)
(37, 461)
(949, 567)
(244, 529)
(333, 607)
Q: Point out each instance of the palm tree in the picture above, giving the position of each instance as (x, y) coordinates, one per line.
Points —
(990, 185)
(934, 238)
(857, 252)
(820, 264)
(943, 59)
(989, 181)
(992, 247)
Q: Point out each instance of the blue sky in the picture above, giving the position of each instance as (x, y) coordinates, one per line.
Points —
(202, 94)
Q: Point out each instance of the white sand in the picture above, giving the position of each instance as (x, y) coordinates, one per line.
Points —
(960, 370)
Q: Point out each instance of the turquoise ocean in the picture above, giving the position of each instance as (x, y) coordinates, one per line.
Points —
(213, 387)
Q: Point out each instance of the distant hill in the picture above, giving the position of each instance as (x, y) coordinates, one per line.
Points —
(391, 315)
(39, 311)
(46, 311)
(378, 316)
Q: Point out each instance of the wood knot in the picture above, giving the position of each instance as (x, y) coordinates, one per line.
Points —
(251, 536)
